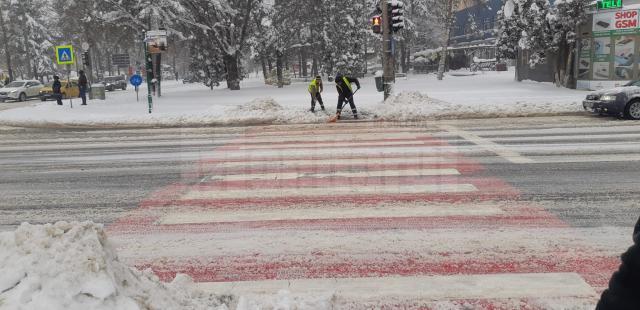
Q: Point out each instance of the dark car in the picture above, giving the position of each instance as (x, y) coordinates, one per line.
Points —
(190, 79)
(112, 83)
(622, 101)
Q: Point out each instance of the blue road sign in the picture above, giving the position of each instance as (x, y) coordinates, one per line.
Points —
(64, 55)
(135, 80)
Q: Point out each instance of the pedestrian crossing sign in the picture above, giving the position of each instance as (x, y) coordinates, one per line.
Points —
(64, 55)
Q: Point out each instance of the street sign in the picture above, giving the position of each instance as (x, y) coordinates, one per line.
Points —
(156, 41)
(135, 80)
(85, 46)
(609, 4)
(120, 60)
(64, 55)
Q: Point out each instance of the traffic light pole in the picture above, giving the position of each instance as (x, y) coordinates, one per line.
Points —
(388, 75)
(149, 68)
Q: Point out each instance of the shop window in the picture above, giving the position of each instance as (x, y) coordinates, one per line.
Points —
(601, 58)
(623, 57)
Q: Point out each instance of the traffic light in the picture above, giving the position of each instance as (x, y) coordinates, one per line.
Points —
(86, 59)
(376, 24)
(396, 20)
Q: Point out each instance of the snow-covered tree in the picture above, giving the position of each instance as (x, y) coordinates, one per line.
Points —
(539, 28)
(228, 24)
(27, 26)
(342, 39)
(566, 16)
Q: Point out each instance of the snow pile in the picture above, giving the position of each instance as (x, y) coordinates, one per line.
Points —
(416, 106)
(461, 94)
(267, 111)
(73, 266)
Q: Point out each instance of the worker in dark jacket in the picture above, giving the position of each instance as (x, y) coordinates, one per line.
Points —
(624, 287)
(83, 85)
(345, 93)
(56, 88)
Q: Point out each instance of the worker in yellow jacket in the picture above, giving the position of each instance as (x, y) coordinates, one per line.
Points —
(315, 88)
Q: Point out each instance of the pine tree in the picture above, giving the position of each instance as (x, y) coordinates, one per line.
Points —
(28, 29)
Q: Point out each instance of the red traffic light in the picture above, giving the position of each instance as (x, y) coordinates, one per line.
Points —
(376, 24)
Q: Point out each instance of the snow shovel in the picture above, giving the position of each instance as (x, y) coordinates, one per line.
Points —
(334, 118)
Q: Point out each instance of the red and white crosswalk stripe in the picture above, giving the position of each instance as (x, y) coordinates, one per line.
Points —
(377, 217)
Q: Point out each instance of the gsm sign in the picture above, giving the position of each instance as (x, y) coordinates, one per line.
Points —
(626, 19)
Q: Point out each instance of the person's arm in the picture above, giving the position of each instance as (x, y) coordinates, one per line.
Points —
(354, 80)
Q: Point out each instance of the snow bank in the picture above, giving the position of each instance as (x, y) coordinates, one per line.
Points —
(70, 266)
(267, 111)
(416, 106)
(461, 94)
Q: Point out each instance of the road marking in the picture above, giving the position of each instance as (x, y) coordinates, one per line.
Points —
(573, 138)
(334, 144)
(328, 152)
(586, 158)
(340, 161)
(559, 130)
(486, 286)
(324, 191)
(339, 174)
(328, 138)
(488, 145)
(389, 211)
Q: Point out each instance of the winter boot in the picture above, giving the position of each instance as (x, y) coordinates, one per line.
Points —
(322, 107)
(355, 114)
(338, 113)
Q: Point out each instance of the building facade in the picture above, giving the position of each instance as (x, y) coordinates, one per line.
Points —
(474, 32)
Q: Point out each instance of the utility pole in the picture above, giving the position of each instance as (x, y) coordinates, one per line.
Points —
(149, 67)
(388, 75)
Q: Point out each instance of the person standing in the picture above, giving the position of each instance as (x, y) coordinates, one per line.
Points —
(82, 84)
(315, 88)
(56, 88)
(623, 292)
(345, 93)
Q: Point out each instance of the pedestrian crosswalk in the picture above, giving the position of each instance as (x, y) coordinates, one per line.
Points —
(376, 217)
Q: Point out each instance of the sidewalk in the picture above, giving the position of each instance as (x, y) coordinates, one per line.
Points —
(418, 97)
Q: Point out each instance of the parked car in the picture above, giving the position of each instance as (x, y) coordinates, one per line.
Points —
(622, 101)
(20, 90)
(190, 79)
(69, 90)
(112, 83)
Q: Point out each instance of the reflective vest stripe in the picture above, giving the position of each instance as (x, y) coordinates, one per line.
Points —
(346, 82)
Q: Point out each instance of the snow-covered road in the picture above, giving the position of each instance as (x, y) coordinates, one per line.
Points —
(503, 213)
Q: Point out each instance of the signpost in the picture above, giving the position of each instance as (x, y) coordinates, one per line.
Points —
(136, 80)
(121, 60)
(65, 56)
(149, 68)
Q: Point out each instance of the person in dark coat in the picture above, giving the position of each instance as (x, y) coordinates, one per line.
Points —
(345, 93)
(57, 89)
(83, 84)
(624, 287)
